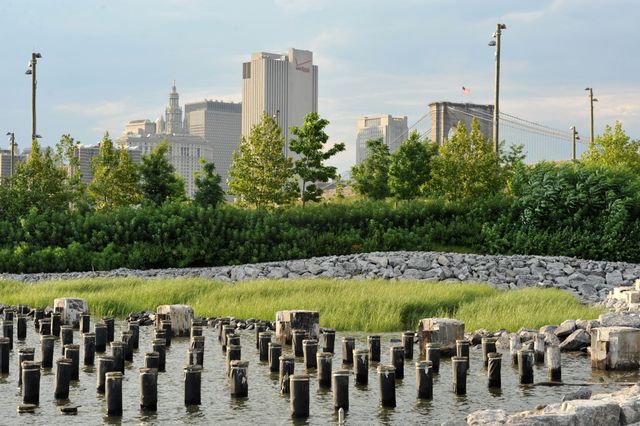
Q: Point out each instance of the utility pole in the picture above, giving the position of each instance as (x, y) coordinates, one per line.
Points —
(591, 101)
(574, 132)
(496, 99)
(34, 82)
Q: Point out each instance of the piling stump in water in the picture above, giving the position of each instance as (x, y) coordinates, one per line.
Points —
(538, 348)
(554, 367)
(238, 379)
(525, 366)
(168, 332)
(374, 348)
(8, 314)
(340, 389)
(433, 355)
(30, 382)
(192, 381)
(66, 336)
(309, 349)
(38, 314)
(328, 340)
(226, 331)
(462, 348)
(89, 346)
(196, 330)
(24, 354)
(514, 347)
(128, 345)
(396, 354)
(109, 322)
(7, 331)
(459, 375)
(85, 323)
(324, 360)
(4, 355)
(488, 346)
(275, 350)
(234, 353)
(56, 323)
(72, 352)
(45, 326)
(134, 328)
(151, 360)
(361, 366)
(160, 348)
(287, 368)
(299, 384)
(264, 339)
(180, 318)
(494, 369)
(148, 389)
(47, 343)
(297, 336)
(105, 365)
(21, 325)
(101, 337)
(444, 331)
(407, 341)
(259, 328)
(117, 352)
(387, 385)
(63, 377)
(348, 345)
(71, 310)
(424, 380)
(113, 393)
(286, 321)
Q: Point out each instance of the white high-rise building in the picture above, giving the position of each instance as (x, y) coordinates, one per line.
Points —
(282, 85)
(86, 153)
(5, 163)
(219, 123)
(392, 130)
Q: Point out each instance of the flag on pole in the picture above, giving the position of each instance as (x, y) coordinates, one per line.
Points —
(465, 90)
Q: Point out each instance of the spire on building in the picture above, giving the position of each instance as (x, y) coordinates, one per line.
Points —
(173, 113)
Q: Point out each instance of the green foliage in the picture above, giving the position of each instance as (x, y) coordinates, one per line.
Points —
(371, 177)
(512, 164)
(467, 166)
(308, 142)
(160, 182)
(613, 149)
(116, 179)
(410, 167)
(208, 192)
(260, 174)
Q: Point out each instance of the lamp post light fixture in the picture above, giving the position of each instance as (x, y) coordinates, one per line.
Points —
(575, 138)
(591, 101)
(496, 100)
(31, 70)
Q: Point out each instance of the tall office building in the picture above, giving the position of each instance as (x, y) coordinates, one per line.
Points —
(281, 85)
(5, 163)
(173, 114)
(392, 130)
(219, 123)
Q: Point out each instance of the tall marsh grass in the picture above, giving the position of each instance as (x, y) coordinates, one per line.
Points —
(364, 305)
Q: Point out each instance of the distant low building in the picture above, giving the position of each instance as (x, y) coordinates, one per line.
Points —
(392, 130)
(5, 163)
(140, 127)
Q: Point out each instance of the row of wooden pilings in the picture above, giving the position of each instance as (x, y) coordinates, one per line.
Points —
(315, 355)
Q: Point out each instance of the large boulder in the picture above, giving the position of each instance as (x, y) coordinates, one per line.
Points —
(592, 412)
(180, 316)
(287, 321)
(565, 329)
(444, 331)
(615, 348)
(72, 309)
(487, 417)
(620, 319)
(576, 341)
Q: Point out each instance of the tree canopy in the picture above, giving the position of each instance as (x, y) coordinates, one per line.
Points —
(410, 167)
(371, 177)
(613, 148)
(208, 192)
(159, 180)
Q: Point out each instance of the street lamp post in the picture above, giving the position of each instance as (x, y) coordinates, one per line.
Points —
(496, 100)
(591, 101)
(32, 71)
(574, 133)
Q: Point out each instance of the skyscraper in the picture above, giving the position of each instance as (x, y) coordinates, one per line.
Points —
(173, 113)
(282, 85)
(392, 130)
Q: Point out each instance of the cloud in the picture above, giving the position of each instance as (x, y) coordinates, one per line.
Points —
(299, 6)
(99, 109)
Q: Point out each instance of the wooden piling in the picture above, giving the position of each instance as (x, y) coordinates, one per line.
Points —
(361, 366)
(328, 340)
(424, 380)
(134, 328)
(488, 346)
(275, 350)
(264, 339)
(340, 389)
(373, 342)
(30, 382)
(89, 348)
(109, 322)
(38, 314)
(168, 332)
(260, 327)
(238, 379)
(297, 336)
(494, 370)
(148, 389)
(387, 385)
(459, 375)
(348, 345)
(408, 338)
(234, 353)
(7, 331)
(538, 348)
(56, 323)
(151, 360)
(126, 339)
(101, 337)
(85, 323)
(72, 352)
(525, 366)
(45, 326)
(324, 360)
(117, 352)
(287, 368)
(63, 377)
(105, 365)
(433, 355)
(396, 354)
(66, 336)
(113, 393)
(47, 343)
(299, 384)
(554, 366)
(159, 346)
(462, 348)
(514, 347)
(309, 350)
(192, 384)
(21, 326)
(24, 354)
(4, 355)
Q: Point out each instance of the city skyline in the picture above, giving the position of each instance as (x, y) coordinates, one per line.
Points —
(102, 67)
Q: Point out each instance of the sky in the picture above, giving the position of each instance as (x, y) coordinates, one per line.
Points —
(107, 62)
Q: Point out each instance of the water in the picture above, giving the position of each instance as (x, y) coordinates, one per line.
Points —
(266, 406)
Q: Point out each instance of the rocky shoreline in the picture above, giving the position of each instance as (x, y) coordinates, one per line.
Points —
(590, 280)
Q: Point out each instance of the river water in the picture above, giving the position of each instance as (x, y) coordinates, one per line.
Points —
(265, 405)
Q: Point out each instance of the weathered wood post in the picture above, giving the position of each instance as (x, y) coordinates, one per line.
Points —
(387, 385)
(259, 328)
(105, 365)
(168, 332)
(7, 331)
(525, 366)
(424, 380)
(286, 321)
(56, 323)
(63, 377)
(66, 336)
(488, 346)
(85, 323)
(374, 348)
(24, 354)
(117, 352)
(309, 350)
(459, 375)
(396, 354)
(554, 367)
(514, 347)
(134, 328)
(30, 382)
(361, 366)
(538, 348)
(275, 350)
(192, 384)
(328, 340)
(494, 369)
(407, 341)
(340, 389)
(126, 339)
(196, 330)
(324, 359)
(287, 368)
(46, 350)
(21, 325)
(299, 384)
(462, 348)
(297, 336)
(109, 322)
(149, 389)
(264, 339)
(38, 314)
(4, 355)
(227, 330)
(72, 352)
(433, 355)
(159, 346)
(234, 353)
(113, 393)
(160, 334)
(9, 314)
(45, 326)
(101, 332)
(238, 380)
(151, 360)
(348, 345)
(89, 346)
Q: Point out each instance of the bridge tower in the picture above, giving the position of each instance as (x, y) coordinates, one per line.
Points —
(446, 116)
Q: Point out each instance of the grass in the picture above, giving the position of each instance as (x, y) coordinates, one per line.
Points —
(371, 305)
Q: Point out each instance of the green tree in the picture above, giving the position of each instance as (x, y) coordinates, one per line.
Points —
(371, 177)
(260, 174)
(66, 158)
(512, 164)
(160, 182)
(613, 148)
(116, 179)
(410, 167)
(466, 166)
(309, 141)
(208, 192)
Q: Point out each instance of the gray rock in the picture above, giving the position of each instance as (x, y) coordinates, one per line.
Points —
(566, 328)
(487, 417)
(442, 260)
(628, 319)
(614, 278)
(576, 341)
(590, 412)
(579, 394)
